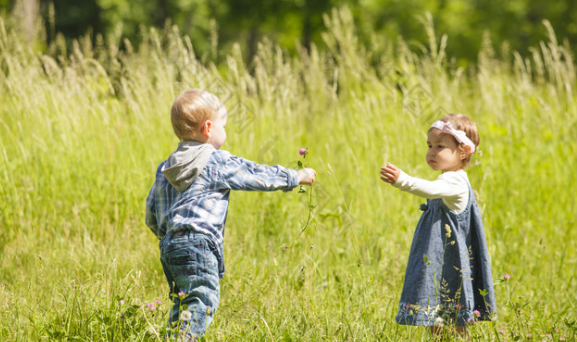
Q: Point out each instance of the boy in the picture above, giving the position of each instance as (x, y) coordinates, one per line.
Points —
(188, 203)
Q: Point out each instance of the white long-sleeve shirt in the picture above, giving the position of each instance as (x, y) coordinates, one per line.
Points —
(451, 186)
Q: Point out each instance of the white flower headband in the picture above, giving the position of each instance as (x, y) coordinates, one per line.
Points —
(461, 136)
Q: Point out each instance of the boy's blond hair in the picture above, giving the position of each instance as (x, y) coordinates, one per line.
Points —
(463, 123)
(190, 110)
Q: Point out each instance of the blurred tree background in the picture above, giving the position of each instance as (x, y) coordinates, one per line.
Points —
(517, 23)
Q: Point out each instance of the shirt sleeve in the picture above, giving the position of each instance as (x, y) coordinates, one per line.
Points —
(450, 186)
(442, 187)
(151, 220)
(242, 174)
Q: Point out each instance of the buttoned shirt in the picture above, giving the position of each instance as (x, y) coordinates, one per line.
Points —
(203, 206)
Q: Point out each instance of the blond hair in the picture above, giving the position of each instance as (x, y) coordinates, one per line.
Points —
(463, 123)
(190, 110)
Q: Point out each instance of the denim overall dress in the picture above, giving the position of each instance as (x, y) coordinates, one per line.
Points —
(448, 279)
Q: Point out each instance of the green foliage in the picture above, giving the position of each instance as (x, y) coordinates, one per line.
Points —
(83, 127)
(379, 24)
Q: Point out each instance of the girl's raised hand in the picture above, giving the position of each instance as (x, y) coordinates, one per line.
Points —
(390, 173)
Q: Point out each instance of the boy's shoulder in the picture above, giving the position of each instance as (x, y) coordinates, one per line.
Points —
(220, 156)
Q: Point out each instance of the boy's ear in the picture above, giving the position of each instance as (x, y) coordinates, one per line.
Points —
(205, 128)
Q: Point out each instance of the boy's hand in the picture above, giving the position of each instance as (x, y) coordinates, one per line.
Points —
(390, 173)
(307, 176)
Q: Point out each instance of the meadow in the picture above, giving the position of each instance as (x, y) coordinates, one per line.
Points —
(83, 127)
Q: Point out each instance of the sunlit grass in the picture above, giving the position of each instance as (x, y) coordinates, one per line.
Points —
(81, 136)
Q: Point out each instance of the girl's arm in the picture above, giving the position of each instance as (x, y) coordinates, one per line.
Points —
(448, 185)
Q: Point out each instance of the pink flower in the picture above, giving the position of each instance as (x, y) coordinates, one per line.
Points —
(506, 276)
(529, 335)
(471, 320)
(158, 302)
(561, 338)
(501, 331)
(548, 336)
(121, 302)
(180, 294)
(303, 151)
(476, 313)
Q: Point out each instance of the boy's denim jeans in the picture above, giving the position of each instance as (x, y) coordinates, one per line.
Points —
(190, 264)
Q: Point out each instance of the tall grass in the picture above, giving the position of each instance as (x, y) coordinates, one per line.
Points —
(82, 129)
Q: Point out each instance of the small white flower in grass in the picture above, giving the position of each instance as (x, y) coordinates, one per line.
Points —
(439, 322)
(185, 315)
(187, 338)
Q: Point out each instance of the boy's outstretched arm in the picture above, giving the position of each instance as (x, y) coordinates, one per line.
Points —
(307, 176)
(242, 174)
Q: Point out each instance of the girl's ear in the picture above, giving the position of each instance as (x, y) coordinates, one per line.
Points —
(205, 129)
(465, 151)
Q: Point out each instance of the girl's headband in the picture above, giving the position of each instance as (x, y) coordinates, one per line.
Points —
(461, 136)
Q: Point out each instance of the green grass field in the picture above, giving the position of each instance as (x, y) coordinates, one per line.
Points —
(83, 128)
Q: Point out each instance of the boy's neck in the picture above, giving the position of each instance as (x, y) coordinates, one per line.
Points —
(193, 142)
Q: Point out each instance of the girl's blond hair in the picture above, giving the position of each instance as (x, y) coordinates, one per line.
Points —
(190, 110)
(463, 123)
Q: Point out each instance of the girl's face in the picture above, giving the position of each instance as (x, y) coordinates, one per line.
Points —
(443, 153)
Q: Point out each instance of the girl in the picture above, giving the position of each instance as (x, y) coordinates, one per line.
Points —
(448, 279)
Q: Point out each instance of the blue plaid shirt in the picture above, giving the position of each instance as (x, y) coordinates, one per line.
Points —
(203, 206)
